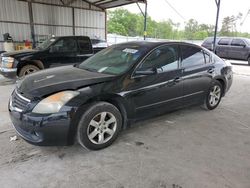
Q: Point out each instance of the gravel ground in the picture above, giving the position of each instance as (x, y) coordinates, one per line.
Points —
(189, 148)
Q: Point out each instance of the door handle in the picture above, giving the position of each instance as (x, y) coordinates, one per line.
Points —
(177, 79)
(210, 70)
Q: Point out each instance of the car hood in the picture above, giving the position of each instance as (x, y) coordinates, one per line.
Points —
(53, 80)
(20, 53)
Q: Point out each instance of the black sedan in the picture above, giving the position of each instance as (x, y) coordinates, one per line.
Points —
(93, 101)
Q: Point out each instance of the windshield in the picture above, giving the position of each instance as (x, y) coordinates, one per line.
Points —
(115, 60)
(46, 44)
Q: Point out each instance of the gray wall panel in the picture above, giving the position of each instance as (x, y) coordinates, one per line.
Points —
(87, 22)
(46, 14)
(89, 18)
(92, 33)
(52, 30)
(19, 32)
(13, 10)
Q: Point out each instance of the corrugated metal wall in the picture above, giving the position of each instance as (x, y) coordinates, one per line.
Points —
(50, 18)
(90, 23)
(14, 11)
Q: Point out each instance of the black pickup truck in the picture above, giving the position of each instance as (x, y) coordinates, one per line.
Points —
(57, 51)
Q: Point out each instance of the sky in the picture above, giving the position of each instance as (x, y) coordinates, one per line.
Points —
(204, 11)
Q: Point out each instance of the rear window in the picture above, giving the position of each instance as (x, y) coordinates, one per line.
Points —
(96, 41)
(84, 45)
(238, 42)
(192, 56)
(208, 41)
(224, 41)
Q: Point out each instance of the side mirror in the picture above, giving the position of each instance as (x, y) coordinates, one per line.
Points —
(146, 72)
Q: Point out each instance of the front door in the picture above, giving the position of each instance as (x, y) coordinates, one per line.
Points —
(162, 91)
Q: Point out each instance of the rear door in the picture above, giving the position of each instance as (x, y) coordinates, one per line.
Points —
(161, 91)
(238, 49)
(63, 52)
(197, 74)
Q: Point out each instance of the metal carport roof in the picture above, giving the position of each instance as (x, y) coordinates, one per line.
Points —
(105, 4)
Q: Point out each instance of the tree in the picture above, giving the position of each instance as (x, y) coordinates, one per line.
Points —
(123, 22)
(190, 29)
(229, 25)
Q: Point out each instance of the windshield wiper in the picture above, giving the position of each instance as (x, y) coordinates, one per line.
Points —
(89, 69)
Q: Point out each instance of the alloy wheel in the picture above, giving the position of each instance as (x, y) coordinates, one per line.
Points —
(102, 128)
(214, 95)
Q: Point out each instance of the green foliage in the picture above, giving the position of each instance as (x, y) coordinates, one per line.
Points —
(229, 26)
(123, 22)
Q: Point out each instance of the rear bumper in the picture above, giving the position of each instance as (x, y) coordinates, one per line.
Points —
(8, 73)
(42, 130)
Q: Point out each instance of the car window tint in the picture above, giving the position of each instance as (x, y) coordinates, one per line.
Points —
(94, 41)
(65, 45)
(84, 45)
(192, 56)
(224, 41)
(208, 41)
(238, 42)
(164, 59)
(115, 60)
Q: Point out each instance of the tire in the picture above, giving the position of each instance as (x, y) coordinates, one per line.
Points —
(98, 135)
(248, 60)
(28, 69)
(214, 95)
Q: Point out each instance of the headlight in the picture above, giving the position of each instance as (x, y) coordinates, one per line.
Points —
(7, 62)
(53, 103)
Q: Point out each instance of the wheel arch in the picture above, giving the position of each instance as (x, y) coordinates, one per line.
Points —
(113, 99)
(37, 63)
(116, 100)
(223, 84)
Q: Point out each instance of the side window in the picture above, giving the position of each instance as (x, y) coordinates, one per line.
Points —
(94, 41)
(163, 59)
(192, 56)
(84, 45)
(208, 58)
(208, 41)
(238, 42)
(224, 41)
(65, 45)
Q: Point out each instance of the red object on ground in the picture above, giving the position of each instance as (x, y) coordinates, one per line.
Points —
(27, 43)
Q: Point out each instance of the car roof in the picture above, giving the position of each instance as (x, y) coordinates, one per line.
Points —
(152, 44)
(72, 36)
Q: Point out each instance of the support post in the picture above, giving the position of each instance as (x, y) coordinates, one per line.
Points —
(106, 27)
(145, 20)
(32, 29)
(73, 21)
(216, 25)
